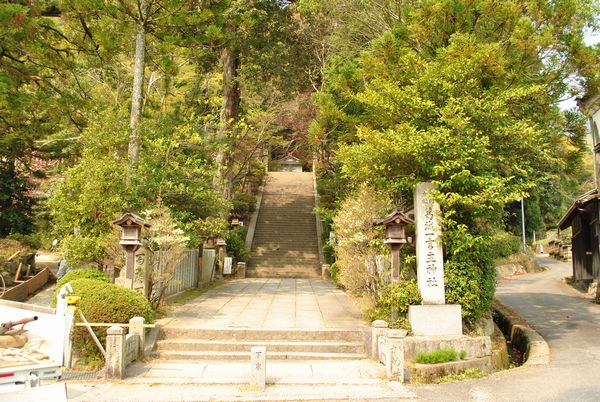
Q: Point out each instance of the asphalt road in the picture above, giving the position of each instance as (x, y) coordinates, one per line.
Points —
(566, 319)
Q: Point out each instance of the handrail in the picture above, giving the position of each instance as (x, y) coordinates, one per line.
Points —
(317, 215)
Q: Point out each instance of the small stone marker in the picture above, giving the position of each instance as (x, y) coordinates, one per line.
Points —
(430, 259)
(227, 265)
(258, 367)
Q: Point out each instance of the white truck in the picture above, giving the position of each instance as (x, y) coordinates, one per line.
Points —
(18, 379)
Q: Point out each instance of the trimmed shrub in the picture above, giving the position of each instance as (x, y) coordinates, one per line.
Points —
(105, 302)
(84, 273)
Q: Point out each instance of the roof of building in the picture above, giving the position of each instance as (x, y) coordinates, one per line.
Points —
(397, 213)
(133, 217)
(289, 159)
(580, 202)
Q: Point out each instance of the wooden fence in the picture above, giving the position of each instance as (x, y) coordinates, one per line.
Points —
(186, 273)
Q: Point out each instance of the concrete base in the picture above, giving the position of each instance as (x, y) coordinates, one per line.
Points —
(435, 319)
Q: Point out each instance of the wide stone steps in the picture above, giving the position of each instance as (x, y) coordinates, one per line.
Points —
(275, 272)
(195, 345)
(187, 355)
(292, 254)
(284, 262)
(282, 344)
(285, 243)
(264, 334)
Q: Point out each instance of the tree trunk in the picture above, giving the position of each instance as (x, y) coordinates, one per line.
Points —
(229, 115)
(136, 92)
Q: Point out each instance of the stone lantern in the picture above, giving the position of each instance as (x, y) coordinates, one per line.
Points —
(395, 225)
(131, 239)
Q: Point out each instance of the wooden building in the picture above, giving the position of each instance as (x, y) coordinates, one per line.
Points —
(583, 216)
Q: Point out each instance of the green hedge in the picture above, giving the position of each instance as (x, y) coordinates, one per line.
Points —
(72, 275)
(105, 302)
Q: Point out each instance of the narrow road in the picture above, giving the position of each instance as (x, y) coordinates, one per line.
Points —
(567, 320)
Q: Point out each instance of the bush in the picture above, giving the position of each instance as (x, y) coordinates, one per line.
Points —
(85, 273)
(401, 294)
(504, 244)
(105, 302)
(236, 245)
(440, 356)
(80, 250)
(244, 204)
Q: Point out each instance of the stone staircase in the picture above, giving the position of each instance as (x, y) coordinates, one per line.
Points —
(201, 344)
(285, 241)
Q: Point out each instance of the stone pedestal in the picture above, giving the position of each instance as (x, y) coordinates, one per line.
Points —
(394, 354)
(115, 352)
(378, 328)
(435, 319)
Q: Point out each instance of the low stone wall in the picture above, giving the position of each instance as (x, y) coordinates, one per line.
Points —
(534, 348)
(475, 347)
(122, 348)
(398, 353)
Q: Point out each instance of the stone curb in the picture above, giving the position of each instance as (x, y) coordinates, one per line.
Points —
(535, 349)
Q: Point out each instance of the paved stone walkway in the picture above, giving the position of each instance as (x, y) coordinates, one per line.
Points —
(269, 303)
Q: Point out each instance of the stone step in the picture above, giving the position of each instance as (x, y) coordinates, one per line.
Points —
(304, 356)
(265, 334)
(282, 263)
(279, 274)
(289, 238)
(283, 253)
(196, 345)
(258, 265)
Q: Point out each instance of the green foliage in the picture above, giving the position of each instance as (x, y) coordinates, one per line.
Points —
(503, 244)
(166, 244)
(358, 240)
(439, 356)
(440, 96)
(243, 205)
(84, 273)
(105, 302)
(468, 374)
(80, 250)
(398, 296)
(236, 244)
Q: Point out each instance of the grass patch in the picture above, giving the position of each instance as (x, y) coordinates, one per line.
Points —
(189, 295)
(468, 374)
(440, 356)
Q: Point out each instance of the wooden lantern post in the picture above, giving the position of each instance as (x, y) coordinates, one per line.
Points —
(395, 224)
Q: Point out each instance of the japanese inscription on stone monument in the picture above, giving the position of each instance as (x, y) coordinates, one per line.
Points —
(430, 260)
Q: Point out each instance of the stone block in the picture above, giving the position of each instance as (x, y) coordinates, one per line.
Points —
(258, 367)
(378, 328)
(115, 352)
(474, 346)
(136, 327)
(435, 320)
(394, 356)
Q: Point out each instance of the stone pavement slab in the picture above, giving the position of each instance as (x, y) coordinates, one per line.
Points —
(166, 393)
(269, 303)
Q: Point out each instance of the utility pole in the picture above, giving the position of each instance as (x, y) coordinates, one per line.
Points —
(523, 224)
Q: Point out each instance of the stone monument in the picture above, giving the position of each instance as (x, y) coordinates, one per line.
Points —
(433, 317)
